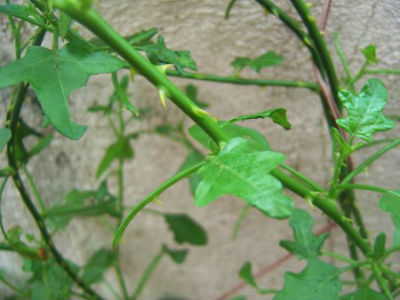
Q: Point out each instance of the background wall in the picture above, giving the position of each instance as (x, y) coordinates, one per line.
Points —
(199, 26)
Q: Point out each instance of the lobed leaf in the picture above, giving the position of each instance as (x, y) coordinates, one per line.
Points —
(97, 265)
(305, 245)
(278, 116)
(158, 54)
(364, 111)
(5, 136)
(319, 280)
(268, 59)
(177, 256)
(246, 274)
(185, 229)
(121, 149)
(242, 169)
(390, 202)
(54, 76)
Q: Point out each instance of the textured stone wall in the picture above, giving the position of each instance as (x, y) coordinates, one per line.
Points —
(199, 26)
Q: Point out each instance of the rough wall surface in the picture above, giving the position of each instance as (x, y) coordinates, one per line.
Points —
(199, 26)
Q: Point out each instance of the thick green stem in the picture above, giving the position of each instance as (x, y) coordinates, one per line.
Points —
(90, 19)
(244, 81)
(146, 275)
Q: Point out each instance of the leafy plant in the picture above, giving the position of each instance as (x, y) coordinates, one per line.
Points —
(239, 160)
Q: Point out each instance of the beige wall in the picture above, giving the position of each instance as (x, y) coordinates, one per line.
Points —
(199, 26)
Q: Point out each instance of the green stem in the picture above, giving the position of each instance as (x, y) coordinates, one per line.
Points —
(356, 186)
(35, 189)
(150, 197)
(295, 27)
(320, 46)
(5, 247)
(355, 265)
(380, 280)
(342, 58)
(229, 8)
(339, 257)
(11, 122)
(359, 74)
(382, 71)
(327, 206)
(239, 221)
(111, 289)
(303, 178)
(361, 167)
(16, 33)
(8, 284)
(146, 275)
(244, 81)
(90, 19)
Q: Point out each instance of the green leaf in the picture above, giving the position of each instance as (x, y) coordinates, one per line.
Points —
(121, 149)
(141, 38)
(278, 116)
(97, 265)
(305, 245)
(379, 246)
(246, 274)
(83, 204)
(242, 169)
(64, 24)
(192, 159)
(27, 13)
(268, 59)
(5, 136)
(233, 130)
(364, 293)
(364, 111)
(178, 256)
(18, 245)
(48, 281)
(159, 54)
(185, 229)
(319, 280)
(191, 92)
(390, 202)
(54, 76)
(369, 53)
(40, 145)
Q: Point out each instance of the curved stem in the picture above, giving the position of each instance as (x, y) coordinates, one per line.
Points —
(244, 81)
(361, 167)
(90, 19)
(320, 46)
(150, 197)
(355, 186)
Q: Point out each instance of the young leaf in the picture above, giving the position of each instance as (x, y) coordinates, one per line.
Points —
(363, 293)
(97, 265)
(268, 59)
(185, 229)
(27, 13)
(319, 280)
(192, 158)
(64, 24)
(191, 92)
(178, 256)
(364, 111)
(159, 54)
(48, 281)
(379, 246)
(121, 149)
(233, 130)
(305, 245)
(369, 53)
(54, 76)
(246, 274)
(390, 202)
(5, 136)
(242, 169)
(278, 116)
